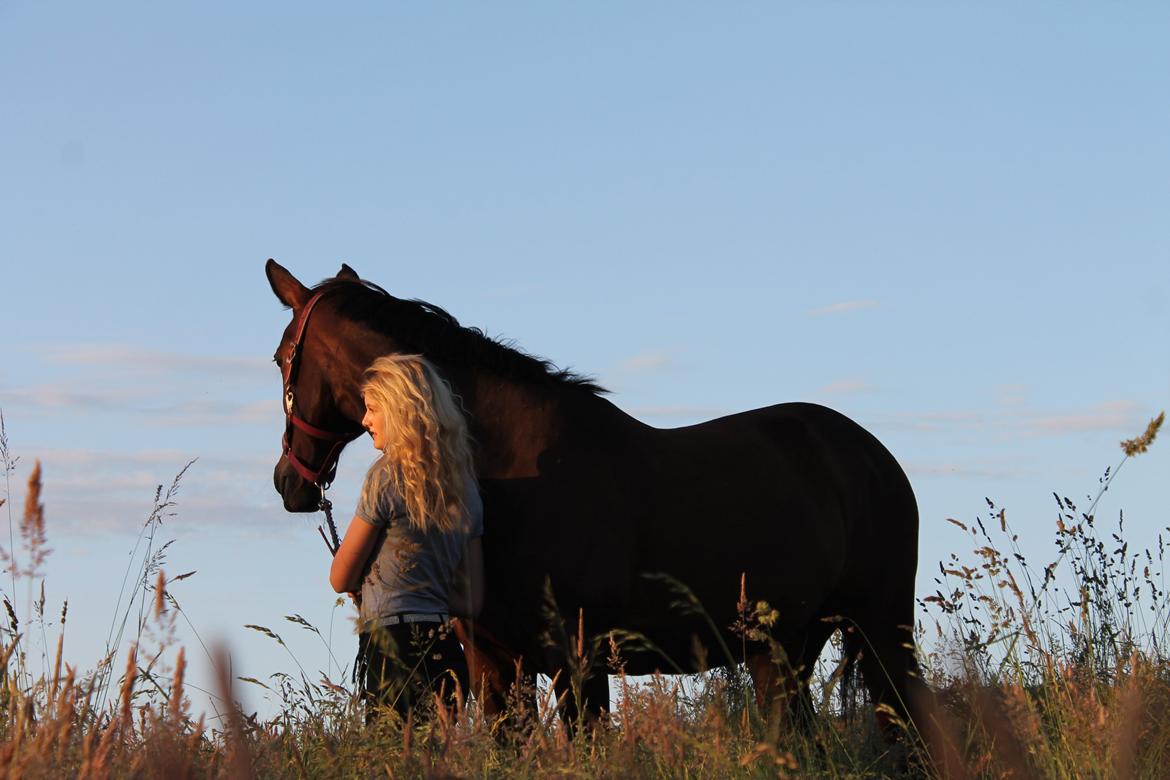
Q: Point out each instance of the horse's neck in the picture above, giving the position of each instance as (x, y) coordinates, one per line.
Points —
(514, 423)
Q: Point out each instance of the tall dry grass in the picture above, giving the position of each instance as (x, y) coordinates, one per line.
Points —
(1061, 670)
(1052, 671)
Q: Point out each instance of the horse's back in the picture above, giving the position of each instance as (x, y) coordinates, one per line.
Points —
(780, 443)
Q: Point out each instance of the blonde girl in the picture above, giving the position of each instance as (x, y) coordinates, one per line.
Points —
(413, 547)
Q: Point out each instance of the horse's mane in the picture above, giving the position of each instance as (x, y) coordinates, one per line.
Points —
(428, 328)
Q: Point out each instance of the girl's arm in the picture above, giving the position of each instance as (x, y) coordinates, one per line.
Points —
(466, 596)
(345, 575)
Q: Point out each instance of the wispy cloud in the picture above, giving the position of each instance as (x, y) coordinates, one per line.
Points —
(1018, 419)
(934, 420)
(1118, 416)
(514, 291)
(983, 470)
(82, 517)
(68, 396)
(164, 387)
(843, 307)
(646, 362)
(89, 491)
(1014, 396)
(216, 412)
(136, 358)
(155, 459)
(141, 402)
(845, 387)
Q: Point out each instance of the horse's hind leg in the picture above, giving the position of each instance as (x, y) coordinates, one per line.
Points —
(905, 705)
(888, 667)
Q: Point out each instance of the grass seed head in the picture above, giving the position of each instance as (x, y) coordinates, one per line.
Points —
(160, 595)
(32, 524)
(1142, 443)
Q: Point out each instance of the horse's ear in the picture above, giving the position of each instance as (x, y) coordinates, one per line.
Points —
(347, 273)
(286, 286)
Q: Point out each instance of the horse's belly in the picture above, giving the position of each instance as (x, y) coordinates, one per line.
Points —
(731, 507)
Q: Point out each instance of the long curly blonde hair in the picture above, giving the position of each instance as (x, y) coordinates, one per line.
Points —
(427, 457)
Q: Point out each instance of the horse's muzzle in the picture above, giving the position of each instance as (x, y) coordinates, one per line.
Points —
(298, 495)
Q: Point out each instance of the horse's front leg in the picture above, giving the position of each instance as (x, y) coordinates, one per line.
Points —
(485, 673)
(506, 693)
(584, 700)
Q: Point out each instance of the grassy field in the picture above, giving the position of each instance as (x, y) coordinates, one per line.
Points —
(1030, 680)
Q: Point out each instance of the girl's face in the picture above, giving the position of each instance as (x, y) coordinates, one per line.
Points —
(374, 421)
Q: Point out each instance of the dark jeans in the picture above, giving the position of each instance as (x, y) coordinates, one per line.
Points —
(404, 666)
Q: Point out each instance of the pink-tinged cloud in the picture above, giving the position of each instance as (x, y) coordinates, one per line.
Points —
(952, 469)
(213, 413)
(141, 402)
(135, 358)
(645, 362)
(515, 291)
(1013, 397)
(88, 491)
(1117, 416)
(843, 307)
(846, 387)
(69, 396)
(1017, 419)
(934, 421)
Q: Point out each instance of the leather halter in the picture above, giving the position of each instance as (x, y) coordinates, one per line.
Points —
(321, 477)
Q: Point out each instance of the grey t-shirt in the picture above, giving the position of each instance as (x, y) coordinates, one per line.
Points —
(411, 570)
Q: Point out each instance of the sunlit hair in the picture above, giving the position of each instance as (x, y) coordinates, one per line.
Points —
(427, 457)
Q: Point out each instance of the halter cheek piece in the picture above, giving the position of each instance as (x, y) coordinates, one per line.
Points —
(321, 477)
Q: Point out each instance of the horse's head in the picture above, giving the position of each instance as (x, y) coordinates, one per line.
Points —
(321, 374)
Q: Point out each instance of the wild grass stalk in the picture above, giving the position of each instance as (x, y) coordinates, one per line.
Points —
(9, 462)
(148, 566)
(1059, 671)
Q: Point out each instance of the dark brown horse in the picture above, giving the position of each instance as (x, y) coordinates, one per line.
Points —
(579, 495)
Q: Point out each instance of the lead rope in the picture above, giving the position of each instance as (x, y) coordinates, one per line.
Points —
(360, 661)
(326, 506)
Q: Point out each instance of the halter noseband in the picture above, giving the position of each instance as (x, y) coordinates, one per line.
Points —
(321, 477)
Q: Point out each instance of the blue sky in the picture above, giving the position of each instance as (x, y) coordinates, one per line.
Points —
(947, 221)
